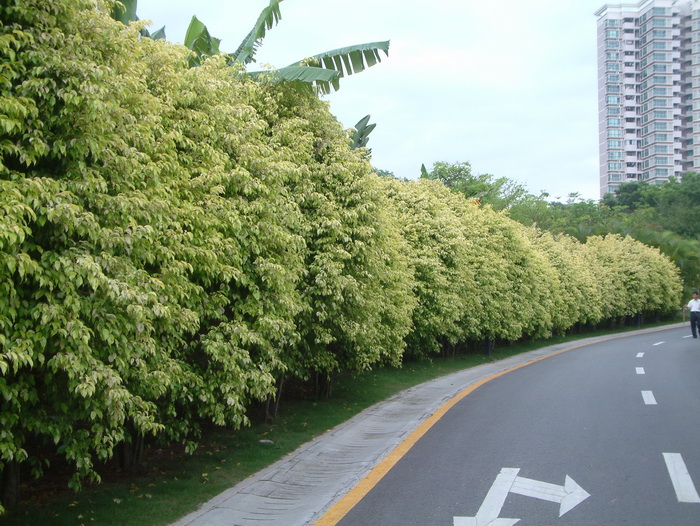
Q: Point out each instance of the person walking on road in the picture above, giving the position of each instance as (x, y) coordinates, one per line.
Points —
(694, 307)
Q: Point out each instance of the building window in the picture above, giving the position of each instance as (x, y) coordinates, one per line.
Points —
(614, 110)
(661, 137)
(612, 66)
(614, 144)
(612, 77)
(614, 122)
(612, 33)
(615, 133)
(614, 156)
(660, 92)
(661, 103)
(659, 57)
(612, 99)
(612, 23)
(614, 177)
(613, 44)
(660, 114)
(660, 148)
(612, 55)
(661, 160)
(660, 126)
(660, 172)
(614, 88)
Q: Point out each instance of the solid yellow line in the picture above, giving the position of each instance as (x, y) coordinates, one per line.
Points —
(362, 488)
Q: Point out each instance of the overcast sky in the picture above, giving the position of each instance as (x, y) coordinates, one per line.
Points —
(509, 86)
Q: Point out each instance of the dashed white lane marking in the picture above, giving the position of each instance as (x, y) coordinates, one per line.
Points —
(640, 370)
(648, 398)
(659, 343)
(682, 483)
(689, 336)
(640, 355)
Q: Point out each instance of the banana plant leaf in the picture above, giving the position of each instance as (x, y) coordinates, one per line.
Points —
(268, 18)
(159, 34)
(302, 76)
(362, 131)
(322, 71)
(125, 12)
(200, 41)
(350, 59)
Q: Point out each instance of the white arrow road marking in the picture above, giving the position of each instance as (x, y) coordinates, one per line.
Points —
(640, 370)
(659, 343)
(640, 355)
(491, 507)
(648, 398)
(567, 496)
(680, 478)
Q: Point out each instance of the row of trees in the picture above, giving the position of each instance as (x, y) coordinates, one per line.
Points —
(665, 215)
(176, 241)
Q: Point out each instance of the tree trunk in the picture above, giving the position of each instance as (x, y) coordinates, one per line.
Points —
(489, 345)
(130, 453)
(323, 385)
(271, 412)
(9, 484)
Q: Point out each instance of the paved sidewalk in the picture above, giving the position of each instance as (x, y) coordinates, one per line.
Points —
(298, 489)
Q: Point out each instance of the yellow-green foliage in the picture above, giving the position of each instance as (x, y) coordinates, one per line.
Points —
(439, 258)
(173, 241)
(577, 297)
(633, 278)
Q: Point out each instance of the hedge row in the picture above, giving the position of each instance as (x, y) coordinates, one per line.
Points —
(175, 241)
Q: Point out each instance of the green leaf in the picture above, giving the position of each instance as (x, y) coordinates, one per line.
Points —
(125, 11)
(350, 59)
(200, 41)
(269, 17)
(299, 74)
(362, 131)
(158, 34)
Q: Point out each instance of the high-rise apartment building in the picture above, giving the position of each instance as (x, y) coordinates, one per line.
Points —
(648, 91)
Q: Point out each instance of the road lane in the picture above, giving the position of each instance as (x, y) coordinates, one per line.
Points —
(578, 414)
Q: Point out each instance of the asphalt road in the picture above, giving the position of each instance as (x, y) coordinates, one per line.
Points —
(608, 434)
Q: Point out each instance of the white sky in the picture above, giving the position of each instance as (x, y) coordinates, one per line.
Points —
(509, 86)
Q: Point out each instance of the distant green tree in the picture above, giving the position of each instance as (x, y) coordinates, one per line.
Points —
(631, 196)
(501, 193)
(664, 215)
(581, 218)
(385, 173)
(678, 205)
(533, 210)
